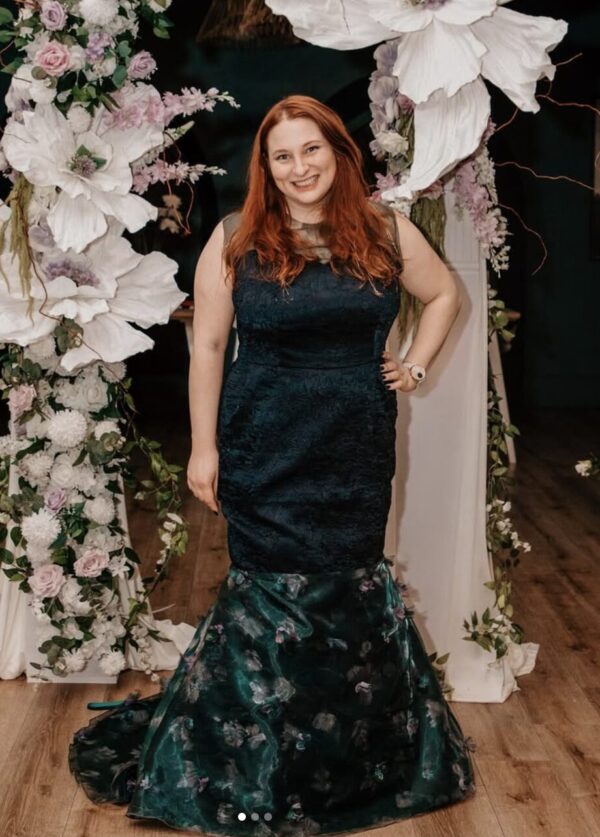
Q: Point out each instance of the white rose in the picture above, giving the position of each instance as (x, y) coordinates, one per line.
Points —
(62, 473)
(101, 510)
(392, 142)
(70, 596)
(41, 349)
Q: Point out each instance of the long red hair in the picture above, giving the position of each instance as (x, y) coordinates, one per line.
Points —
(355, 230)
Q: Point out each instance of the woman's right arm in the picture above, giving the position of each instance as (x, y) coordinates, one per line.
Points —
(213, 318)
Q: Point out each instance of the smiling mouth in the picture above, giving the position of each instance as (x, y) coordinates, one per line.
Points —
(307, 183)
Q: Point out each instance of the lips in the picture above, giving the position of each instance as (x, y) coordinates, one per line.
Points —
(307, 183)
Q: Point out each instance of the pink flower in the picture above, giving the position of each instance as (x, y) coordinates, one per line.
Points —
(54, 58)
(53, 15)
(46, 580)
(20, 400)
(141, 65)
(55, 499)
(92, 563)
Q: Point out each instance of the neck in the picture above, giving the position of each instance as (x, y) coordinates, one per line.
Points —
(306, 214)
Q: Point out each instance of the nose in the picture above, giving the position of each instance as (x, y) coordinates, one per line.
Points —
(300, 167)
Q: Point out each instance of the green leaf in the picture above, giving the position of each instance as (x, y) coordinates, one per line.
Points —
(123, 49)
(160, 33)
(6, 556)
(119, 75)
(6, 16)
(6, 37)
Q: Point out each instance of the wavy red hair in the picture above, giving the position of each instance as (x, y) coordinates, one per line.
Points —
(361, 245)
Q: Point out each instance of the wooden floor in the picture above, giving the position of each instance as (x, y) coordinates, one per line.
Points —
(538, 754)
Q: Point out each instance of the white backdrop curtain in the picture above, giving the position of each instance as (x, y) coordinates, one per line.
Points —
(436, 529)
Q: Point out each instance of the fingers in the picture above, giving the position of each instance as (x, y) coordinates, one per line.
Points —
(205, 493)
(396, 376)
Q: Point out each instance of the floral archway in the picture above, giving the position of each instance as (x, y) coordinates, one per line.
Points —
(86, 136)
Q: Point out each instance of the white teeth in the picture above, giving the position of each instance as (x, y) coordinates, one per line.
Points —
(306, 182)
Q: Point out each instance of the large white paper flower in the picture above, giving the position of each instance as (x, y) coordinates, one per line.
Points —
(444, 49)
(103, 289)
(91, 169)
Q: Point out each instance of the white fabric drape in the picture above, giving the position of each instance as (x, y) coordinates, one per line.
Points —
(441, 487)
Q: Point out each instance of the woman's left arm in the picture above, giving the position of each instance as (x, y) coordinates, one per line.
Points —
(425, 276)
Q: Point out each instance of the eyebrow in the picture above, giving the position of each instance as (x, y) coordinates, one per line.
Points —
(310, 142)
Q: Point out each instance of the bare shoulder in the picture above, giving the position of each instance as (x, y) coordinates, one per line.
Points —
(410, 236)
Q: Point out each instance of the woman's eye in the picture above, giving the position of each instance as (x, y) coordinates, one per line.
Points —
(310, 148)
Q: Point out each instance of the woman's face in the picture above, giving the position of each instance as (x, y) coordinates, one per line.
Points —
(302, 163)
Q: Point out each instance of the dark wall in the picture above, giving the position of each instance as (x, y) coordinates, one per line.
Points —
(555, 360)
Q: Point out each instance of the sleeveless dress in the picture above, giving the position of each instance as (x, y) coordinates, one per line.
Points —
(306, 702)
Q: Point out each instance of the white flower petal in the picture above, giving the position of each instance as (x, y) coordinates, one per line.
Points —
(148, 294)
(439, 57)
(112, 256)
(135, 142)
(61, 287)
(446, 131)
(81, 310)
(17, 327)
(465, 12)
(332, 24)
(110, 338)
(508, 34)
(35, 146)
(75, 222)
(401, 17)
(132, 210)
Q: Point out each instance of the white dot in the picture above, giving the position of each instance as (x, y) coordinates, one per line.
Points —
(241, 816)
(268, 816)
(254, 816)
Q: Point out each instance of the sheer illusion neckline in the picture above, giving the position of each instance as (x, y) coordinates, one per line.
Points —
(307, 223)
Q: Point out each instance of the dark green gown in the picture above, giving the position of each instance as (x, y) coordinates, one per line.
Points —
(306, 702)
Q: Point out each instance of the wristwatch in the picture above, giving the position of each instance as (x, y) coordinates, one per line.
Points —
(417, 372)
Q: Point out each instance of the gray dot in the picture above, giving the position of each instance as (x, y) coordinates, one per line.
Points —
(268, 817)
(241, 816)
(254, 816)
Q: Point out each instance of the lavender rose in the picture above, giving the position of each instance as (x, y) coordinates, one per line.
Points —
(141, 65)
(53, 58)
(55, 499)
(21, 399)
(53, 15)
(47, 580)
(92, 563)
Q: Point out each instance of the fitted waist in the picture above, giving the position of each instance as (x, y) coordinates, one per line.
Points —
(309, 349)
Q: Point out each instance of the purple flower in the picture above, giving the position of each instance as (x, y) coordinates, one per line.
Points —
(53, 15)
(97, 43)
(55, 499)
(141, 65)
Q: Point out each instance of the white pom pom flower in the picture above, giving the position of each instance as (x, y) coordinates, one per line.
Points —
(112, 663)
(98, 12)
(40, 528)
(67, 429)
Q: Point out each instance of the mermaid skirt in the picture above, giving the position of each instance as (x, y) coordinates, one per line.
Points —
(305, 704)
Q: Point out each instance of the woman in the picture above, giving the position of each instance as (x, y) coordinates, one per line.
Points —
(306, 702)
